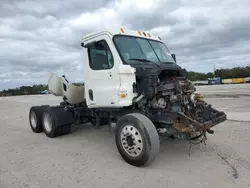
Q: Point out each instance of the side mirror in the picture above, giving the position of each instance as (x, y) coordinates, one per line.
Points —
(174, 57)
(94, 44)
(88, 44)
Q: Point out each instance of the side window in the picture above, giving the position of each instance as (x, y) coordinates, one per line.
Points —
(100, 56)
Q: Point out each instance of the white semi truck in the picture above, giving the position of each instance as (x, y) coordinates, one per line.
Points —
(130, 79)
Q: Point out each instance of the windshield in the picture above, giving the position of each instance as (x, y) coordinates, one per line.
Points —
(135, 48)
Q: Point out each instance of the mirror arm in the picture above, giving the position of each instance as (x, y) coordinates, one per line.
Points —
(87, 44)
(174, 57)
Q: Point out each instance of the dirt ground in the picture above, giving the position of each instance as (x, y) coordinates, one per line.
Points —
(88, 157)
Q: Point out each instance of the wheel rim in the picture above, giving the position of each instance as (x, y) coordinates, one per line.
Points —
(131, 140)
(33, 119)
(47, 122)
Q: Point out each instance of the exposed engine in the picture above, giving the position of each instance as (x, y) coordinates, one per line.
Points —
(169, 99)
(178, 95)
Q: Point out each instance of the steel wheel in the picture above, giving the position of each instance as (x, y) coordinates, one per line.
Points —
(47, 121)
(131, 140)
(33, 119)
(137, 139)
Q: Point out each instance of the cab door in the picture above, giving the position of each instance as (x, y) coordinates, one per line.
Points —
(101, 73)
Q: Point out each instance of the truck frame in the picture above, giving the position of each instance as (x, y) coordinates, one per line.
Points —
(132, 80)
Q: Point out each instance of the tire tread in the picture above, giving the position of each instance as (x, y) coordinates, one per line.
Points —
(152, 138)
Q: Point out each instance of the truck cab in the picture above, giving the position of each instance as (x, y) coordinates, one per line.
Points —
(112, 59)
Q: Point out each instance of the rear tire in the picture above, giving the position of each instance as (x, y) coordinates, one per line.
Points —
(35, 119)
(49, 125)
(137, 139)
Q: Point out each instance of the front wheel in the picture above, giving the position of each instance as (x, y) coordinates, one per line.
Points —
(137, 139)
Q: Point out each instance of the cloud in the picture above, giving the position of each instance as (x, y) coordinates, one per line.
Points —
(38, 37)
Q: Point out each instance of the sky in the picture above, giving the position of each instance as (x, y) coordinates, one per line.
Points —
(38, 37)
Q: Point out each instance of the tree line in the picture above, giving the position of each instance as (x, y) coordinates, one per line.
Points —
(24, 90)
(237, 72)
(28, 90)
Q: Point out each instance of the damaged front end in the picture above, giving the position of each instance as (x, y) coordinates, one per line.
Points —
(186, 114)
(176, 109)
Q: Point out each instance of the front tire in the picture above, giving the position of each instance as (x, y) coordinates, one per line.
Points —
(137, 139)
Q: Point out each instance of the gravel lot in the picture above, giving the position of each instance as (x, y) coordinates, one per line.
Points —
(88, 157)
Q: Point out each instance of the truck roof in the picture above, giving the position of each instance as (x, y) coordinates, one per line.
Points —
(121, 31)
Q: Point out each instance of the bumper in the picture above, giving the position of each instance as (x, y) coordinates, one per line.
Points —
(185, 124)
(209, 124)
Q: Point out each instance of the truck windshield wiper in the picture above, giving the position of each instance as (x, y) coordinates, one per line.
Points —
(145, 60)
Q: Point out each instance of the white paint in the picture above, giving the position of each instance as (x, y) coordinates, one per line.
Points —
(117, 31)
(74, 94)
(107, 85)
